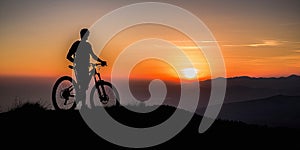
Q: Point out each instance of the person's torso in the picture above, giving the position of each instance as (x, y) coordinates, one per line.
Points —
(82, 55)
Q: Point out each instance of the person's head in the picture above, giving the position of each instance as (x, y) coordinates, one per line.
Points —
(84, 34)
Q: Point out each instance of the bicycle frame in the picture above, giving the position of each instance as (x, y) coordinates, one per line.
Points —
(98, 81)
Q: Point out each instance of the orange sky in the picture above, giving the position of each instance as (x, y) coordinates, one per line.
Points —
(265, 41)
(152, 67)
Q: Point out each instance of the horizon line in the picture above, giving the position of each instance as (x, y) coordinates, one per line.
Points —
(170, 79)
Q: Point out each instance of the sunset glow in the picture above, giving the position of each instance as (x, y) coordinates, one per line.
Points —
(35, 38)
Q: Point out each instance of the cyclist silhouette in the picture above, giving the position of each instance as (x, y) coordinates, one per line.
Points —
(79, 54)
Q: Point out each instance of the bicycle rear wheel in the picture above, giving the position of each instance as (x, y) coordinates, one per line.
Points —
(64, 94)
(96, 99)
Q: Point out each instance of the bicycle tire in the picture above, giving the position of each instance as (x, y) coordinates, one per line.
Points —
(55, 94)
(115, 101)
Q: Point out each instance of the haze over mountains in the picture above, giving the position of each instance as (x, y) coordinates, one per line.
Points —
(267, 101)
(264, 101)
(246, 88)
(238, 88)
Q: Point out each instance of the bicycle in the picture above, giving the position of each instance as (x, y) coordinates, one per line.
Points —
(65, 89)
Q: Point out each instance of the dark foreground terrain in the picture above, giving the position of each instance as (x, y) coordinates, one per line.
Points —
(31, 126)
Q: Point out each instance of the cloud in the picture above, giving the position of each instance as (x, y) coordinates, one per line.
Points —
(187, 41)
(266, 43)
(297, 51)
(263, 43)
(287, 57)
(188, 47)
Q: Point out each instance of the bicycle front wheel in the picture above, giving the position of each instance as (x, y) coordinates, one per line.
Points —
(99, 99)
(64, 93)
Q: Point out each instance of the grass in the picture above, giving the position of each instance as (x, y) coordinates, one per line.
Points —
(20, 106)
(26, 107)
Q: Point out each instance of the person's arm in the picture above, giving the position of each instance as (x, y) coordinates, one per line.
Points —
(95, 57)
(72, 50)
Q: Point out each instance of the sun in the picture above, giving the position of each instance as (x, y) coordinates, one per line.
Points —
(189, 73)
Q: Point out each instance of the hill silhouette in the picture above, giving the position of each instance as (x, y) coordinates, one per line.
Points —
(32, 126)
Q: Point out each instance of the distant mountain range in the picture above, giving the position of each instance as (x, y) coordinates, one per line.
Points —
(238, 89)
(264, 101)
(248, 88)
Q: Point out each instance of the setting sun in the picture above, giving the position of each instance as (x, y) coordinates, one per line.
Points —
(189, 73)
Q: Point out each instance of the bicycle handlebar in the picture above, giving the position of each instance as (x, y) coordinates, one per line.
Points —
(98, 64)
(95, 64)
(91, 64)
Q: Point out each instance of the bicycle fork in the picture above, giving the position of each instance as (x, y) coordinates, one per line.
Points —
(102, 94)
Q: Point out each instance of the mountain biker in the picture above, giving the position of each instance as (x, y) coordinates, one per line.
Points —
(79, 54)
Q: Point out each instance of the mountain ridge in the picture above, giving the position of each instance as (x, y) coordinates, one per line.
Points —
(249, 77)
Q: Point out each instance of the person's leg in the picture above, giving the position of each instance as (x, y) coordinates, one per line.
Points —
(83, 81)
(84, 88)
